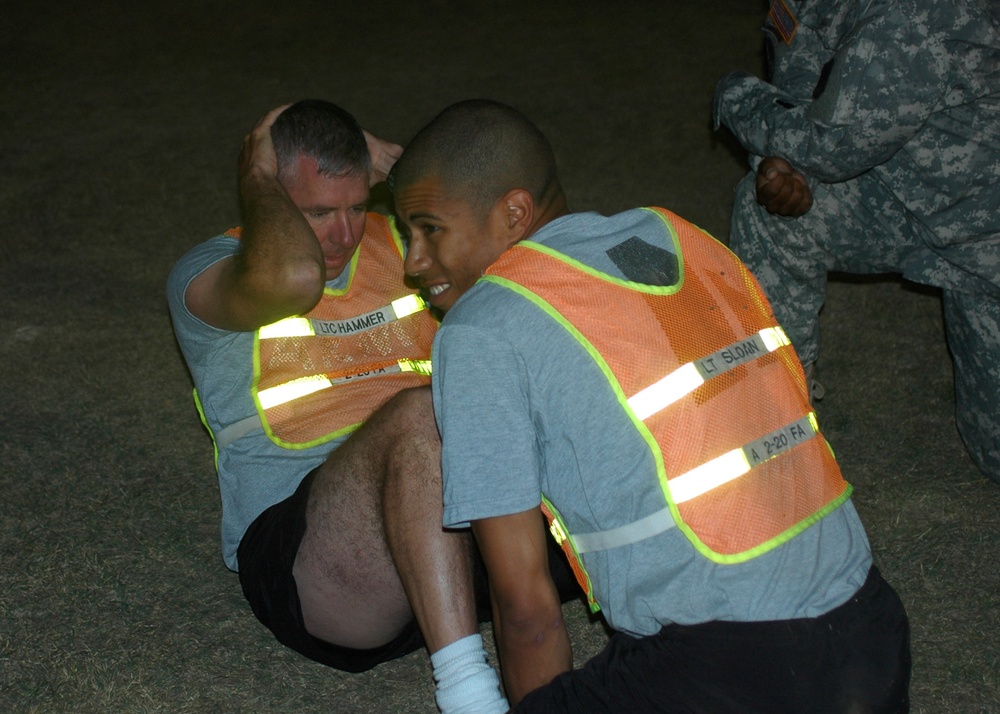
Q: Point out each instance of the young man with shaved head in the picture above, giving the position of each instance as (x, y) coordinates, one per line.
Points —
(627, 374)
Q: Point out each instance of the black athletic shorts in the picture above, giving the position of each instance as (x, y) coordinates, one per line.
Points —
(855, 658)
(267, 553)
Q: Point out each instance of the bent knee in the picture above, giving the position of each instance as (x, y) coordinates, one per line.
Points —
(409, 417)
(414, 402)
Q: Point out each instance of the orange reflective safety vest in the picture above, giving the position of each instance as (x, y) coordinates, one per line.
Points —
(321, 375)
(712, 384)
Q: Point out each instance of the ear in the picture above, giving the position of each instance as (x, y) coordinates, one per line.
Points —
(518, 213)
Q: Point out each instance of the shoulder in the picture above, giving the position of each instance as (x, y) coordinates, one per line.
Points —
(609, 244)
(486, 311)
(581, 228)
(201, 257)
(487, 337)
(191, 265)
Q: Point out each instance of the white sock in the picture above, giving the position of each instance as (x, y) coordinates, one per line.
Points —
(466, 683)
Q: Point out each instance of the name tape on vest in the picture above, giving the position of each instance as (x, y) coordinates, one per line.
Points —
(351, 326)
(307, 327)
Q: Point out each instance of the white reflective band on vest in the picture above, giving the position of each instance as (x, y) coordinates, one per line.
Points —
(699, 480)
(737, 462)
(688, 377)
(237, 430)
(303, 386)
(306, 327)
(633, 532)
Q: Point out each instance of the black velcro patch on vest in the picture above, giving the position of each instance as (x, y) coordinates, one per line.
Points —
(643, 263)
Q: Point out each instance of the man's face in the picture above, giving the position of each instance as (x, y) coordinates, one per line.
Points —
(334, 206)
(450, 243)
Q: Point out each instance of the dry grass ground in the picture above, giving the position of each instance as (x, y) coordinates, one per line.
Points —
(120, 128)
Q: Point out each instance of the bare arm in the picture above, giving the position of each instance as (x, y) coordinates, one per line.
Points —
(279, 270)
(527, 618)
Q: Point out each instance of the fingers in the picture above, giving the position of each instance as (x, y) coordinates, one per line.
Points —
(384, 154)
(267, 120)
(773, 190)
(781, 189)
(788, 203)
(805, 200)
(257, 153)
(775, 163)
(785, 197)
(263, 127)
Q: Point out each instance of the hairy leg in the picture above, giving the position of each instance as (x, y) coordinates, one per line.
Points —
(435, 565)
(374, 537)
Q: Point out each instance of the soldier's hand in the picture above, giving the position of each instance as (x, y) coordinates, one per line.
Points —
(781, 189)
(257, 157)
(384, 155)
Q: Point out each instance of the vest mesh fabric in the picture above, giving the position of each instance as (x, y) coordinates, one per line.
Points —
(640, 333)
(376, 280)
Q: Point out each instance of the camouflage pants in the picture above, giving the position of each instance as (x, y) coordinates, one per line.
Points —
(859, 227)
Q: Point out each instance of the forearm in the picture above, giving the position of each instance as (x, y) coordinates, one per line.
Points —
(280, 262)
(883, 82)
(280, 269)
(527, 616)
(766, 122)
(532, 652)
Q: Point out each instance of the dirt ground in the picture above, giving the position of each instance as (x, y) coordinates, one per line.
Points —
(120, 130)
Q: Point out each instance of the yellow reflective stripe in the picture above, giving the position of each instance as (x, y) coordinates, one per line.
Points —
(738, 462)
(814, 422)
(774, 337)
(289, 327)
(659, 395)
(688, 377)
(709, 475)
(295, 389)
(303, 386)
(408, 305)
(568, 546)
(698, 481)
(420, 366)
(556, 529)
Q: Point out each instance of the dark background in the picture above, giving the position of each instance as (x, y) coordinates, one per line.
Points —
(120, 125)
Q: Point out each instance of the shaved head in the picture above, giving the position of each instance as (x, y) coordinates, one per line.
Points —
(479, 150)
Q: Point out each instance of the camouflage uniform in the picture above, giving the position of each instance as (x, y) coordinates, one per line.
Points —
(892, 112)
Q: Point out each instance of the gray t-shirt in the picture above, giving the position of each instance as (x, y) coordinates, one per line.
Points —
(254, 473)
(523, 409)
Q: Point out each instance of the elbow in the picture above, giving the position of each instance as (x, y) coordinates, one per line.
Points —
(291, 289)
(530, 625)
(303, 285)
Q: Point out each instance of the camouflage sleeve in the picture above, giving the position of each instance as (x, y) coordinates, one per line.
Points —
(795, 67)
(887, 77)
